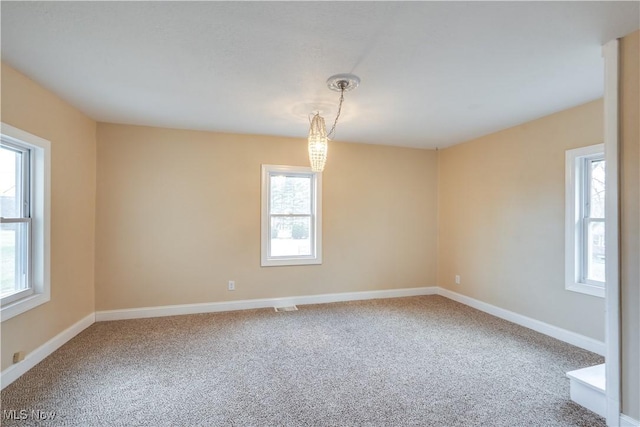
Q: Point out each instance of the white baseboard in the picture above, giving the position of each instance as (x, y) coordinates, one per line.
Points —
(13, 372)
(10, 374)
(626, 421)
(572, 338)
(213, 307)
(175, 310)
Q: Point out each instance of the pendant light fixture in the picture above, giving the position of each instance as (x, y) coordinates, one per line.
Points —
(318, 135)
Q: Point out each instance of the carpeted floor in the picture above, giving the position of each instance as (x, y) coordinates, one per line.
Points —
(420, 361)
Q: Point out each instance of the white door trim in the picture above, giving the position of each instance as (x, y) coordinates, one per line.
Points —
(612, 291)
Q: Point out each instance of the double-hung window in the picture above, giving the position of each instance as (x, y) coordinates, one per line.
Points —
(585, 206)
(24, 221)
(291, 216)
(15, 162)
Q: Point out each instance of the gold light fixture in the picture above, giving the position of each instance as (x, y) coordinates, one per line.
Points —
(318, 135)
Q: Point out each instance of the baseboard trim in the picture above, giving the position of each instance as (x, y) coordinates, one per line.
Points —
(14, 372)
(214, 307)
(626, 421)
(572, 338)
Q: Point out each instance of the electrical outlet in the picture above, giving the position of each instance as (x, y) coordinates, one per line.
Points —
(18, 357)
(232, 285)
(457, 279)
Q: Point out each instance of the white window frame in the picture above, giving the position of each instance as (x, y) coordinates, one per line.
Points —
(23, 217)
(577, 185)
(39, 251)
(316, 217)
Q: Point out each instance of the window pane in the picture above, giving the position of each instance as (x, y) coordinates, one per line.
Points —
(596, 196)
(13, 250)
(290, 236)
(10, 183)
(290, 194)
(595, 251)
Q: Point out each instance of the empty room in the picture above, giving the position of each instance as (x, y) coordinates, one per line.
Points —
(320, 213)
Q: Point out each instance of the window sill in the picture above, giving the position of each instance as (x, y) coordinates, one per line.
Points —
(25, 304)
(583, 288)
(290, 262)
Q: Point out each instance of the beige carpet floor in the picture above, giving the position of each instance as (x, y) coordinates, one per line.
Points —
(420, 361)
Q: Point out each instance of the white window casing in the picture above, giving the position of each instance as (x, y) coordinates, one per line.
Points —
(279, 246)
(579, 219)
(38, 287)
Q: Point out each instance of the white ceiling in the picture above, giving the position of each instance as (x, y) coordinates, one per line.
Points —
(433, 73)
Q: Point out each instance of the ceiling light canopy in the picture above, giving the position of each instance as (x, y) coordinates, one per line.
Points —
(318, 135)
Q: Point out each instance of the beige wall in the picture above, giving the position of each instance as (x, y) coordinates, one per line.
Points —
(630, 222)
(501, 219)
(178, 215)
(28, 106)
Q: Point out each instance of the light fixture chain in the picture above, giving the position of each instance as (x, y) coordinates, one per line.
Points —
(333, 128)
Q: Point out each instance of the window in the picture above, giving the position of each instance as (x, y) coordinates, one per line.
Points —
(291, 216)
(584, 240)
(16, 221)
(24, 223)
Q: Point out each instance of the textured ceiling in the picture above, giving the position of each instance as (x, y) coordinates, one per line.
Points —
(433, 73)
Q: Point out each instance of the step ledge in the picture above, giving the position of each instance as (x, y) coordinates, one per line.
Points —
(593, 377)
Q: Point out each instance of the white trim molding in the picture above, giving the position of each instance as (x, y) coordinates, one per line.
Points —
(587, 388)
(214, 307)
(576, 182)
(612, 230)
(40, 220)
(14, 372)
(569, 337)
(626, 421)
(270, 172)
(10, 374)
